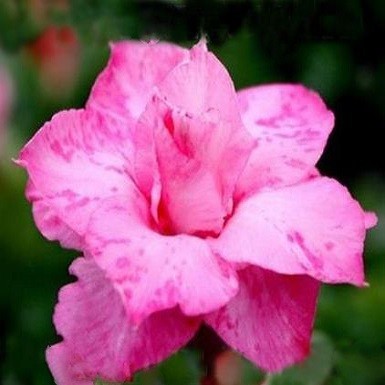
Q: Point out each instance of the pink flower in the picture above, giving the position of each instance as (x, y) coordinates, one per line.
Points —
(191, 203)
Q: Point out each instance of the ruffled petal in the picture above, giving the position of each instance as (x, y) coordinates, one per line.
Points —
(153, 271)
(190, 199)
(99, 340)
(73, 162)
(271, 318)
(49, 223)
(314, 228)
(134, 68)
(291, 124)
(198, 145)
(67, 368)
(201, 85)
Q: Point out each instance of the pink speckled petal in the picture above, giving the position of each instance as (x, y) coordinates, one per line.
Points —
(49, 223)
(291, 124)
(99, 341)
(127, 83)
(66, 368)
(153, 271)
(201, 85)
(73, 162)
(271, 318)
(313, 228)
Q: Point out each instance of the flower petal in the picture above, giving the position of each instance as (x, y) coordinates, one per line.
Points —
(271, 318)
(313, 228)
(370, 219)
(201, 85)
(191, 191)
(99, 341)
(74, 161)
(127, 83)
(291, 124)
(49, 223)
(66, 368)
(199, 146)
(152, 271)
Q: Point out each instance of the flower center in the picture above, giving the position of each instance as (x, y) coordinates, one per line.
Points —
(191, 199)
(167, 226)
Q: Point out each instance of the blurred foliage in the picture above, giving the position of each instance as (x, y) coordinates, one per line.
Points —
(315, 370)
(182, 368)
(331, 46)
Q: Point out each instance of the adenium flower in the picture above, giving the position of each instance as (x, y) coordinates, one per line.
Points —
(191, 203)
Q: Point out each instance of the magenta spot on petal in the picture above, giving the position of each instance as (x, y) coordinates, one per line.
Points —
(303, 108)
(68, 193)
(58, 149)
(288, 136)
(298, 237)
(158, 292)
(290, 238)
(55, 221)
(83, 202)
(122, 262)
(295, 163)
(329, 245)
(271, 122)
(312, 133)
(286, 107)
(135, 277)
(114, 169)
(128, 293)
(313, 259)
(121, 280)
(168, 122)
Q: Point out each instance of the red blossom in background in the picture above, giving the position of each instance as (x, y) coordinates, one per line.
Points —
(56, 54)
(191, 204)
